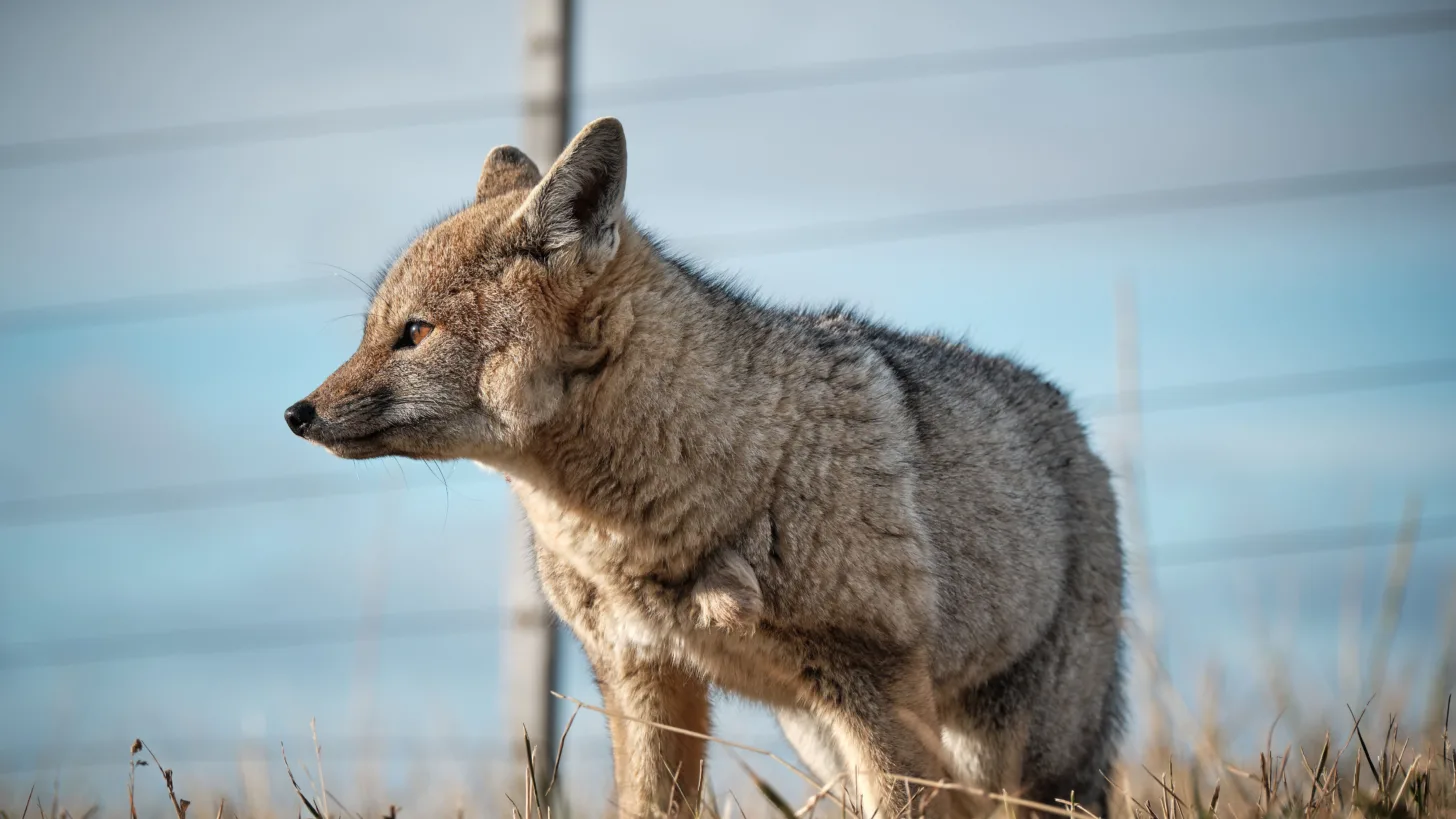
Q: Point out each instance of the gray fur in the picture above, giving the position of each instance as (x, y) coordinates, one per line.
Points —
(904, 546)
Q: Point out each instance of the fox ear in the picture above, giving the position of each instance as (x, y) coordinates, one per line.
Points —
(506, 169)
(579, 203)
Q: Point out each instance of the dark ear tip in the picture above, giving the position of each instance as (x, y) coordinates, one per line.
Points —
(506, 155)
(507, 168)
(605, 128)
(604, 123)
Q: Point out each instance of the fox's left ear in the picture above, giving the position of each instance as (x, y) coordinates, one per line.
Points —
(579, 203)
(506, 169)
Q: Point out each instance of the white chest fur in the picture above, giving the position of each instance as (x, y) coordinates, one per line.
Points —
(701, 610)
(750, 662)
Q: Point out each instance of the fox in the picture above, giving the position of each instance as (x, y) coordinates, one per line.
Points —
(903, 547)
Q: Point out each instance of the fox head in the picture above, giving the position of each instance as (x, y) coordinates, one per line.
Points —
(476, 330)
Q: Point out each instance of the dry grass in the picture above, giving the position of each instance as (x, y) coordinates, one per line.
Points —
(1367, 767)
(1359, 762)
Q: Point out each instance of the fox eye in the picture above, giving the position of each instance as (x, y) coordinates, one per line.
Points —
(415, 332)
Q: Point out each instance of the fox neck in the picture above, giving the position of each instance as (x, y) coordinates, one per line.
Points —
(671, 442)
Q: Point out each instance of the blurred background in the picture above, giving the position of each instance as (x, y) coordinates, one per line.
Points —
(1228, 230)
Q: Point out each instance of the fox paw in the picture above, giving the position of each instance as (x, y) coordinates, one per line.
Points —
(727, 596)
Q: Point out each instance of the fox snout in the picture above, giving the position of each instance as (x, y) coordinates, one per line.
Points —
(339, 426)
(300, 417)
(328, 419)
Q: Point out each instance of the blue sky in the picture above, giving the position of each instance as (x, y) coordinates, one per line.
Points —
(1221, 294)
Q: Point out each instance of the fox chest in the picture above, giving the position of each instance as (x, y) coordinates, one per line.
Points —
(618, 597)
(648, 619)
(752, 662)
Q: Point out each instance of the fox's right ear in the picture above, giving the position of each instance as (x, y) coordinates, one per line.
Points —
(506, 169)
(579, 203)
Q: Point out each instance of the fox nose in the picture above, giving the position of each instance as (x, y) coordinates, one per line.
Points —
(299, 416)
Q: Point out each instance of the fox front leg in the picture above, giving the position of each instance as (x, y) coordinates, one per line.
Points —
(659, 773)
